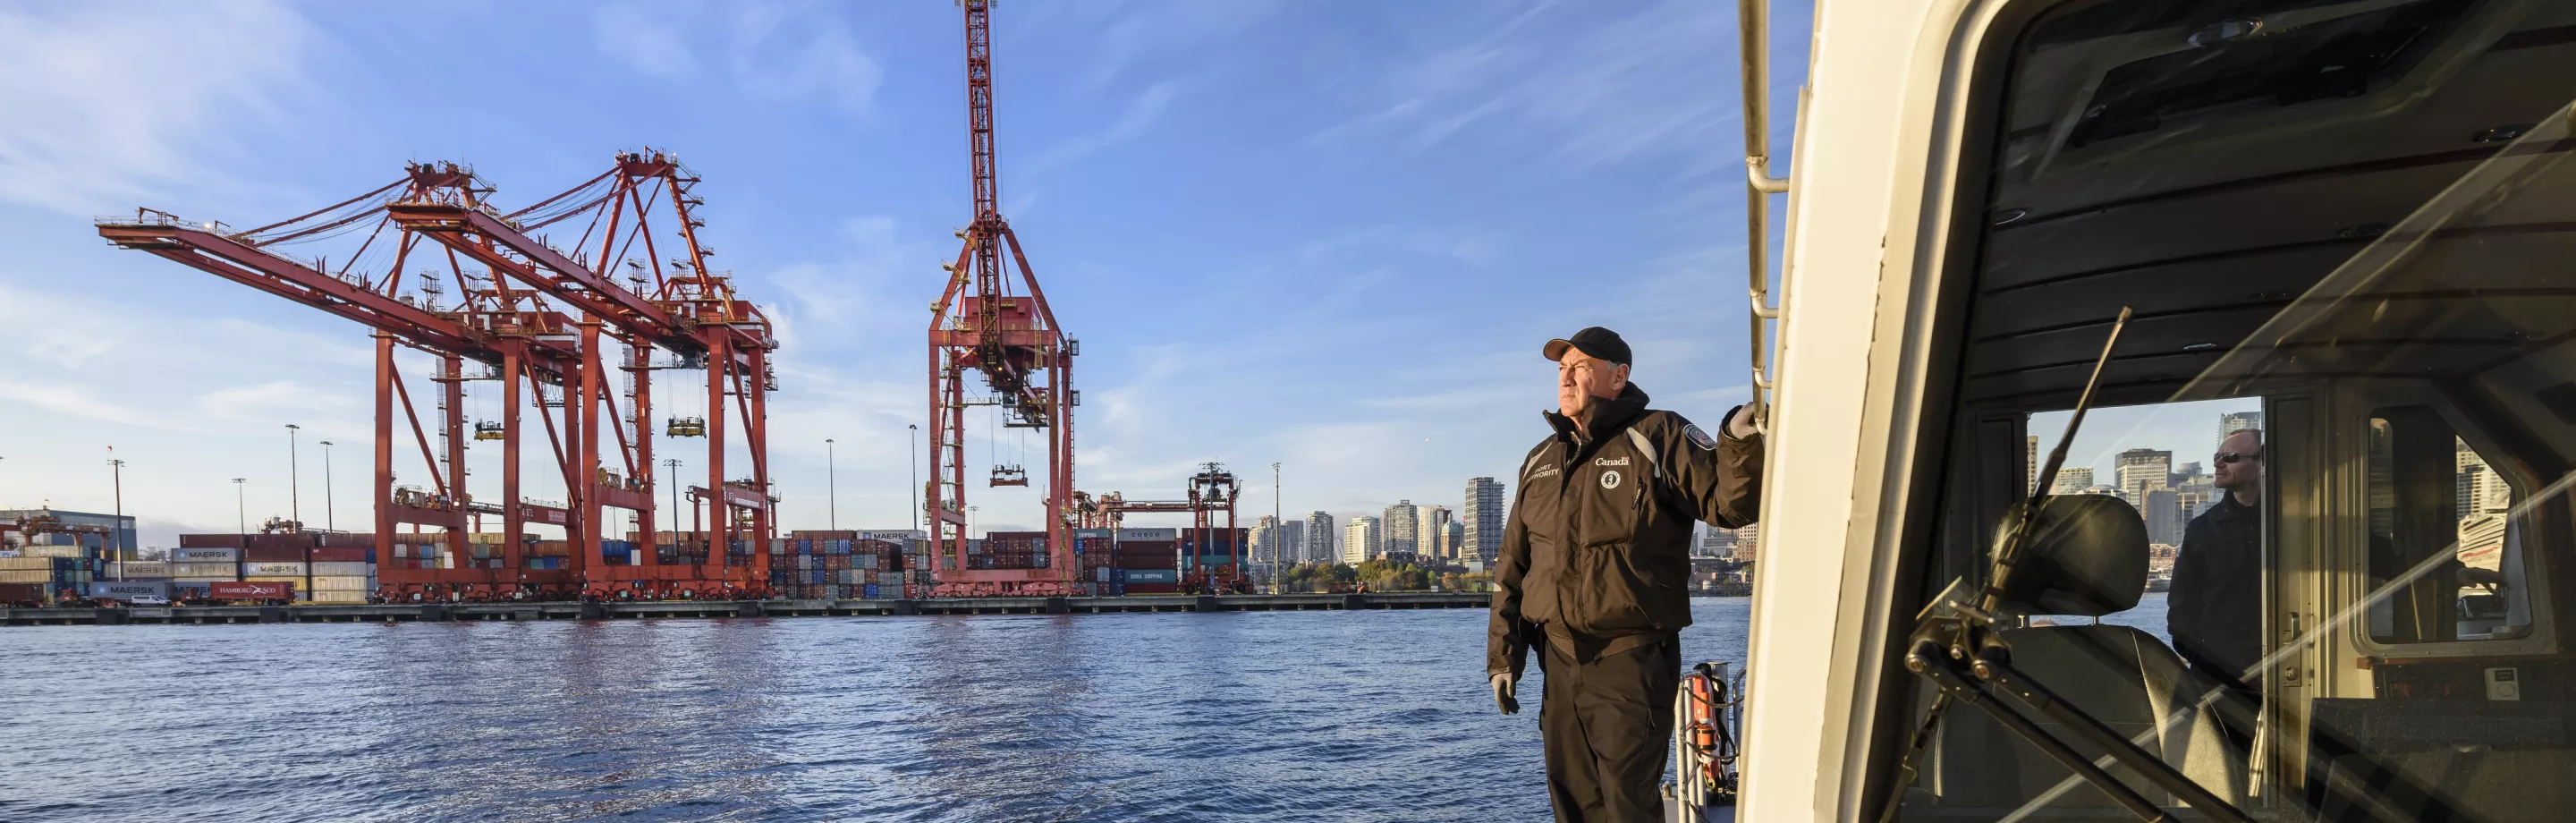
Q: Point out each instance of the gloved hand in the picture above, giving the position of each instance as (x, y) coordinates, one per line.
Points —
(1503, 699)
(1740, 424)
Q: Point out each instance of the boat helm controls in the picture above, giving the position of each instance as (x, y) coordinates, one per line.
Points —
(2341, 409)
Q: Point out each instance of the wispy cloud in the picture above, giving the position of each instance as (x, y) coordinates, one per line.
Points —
(107, 108)
(1139, 115)
(1637, 85)
(768, 51)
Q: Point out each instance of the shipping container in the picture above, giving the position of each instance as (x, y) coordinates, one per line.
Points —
(336, 554)
(345, 596)
(321, 569)
(1148, 588)
(139, 568)
(205, 555)
(1151, 576)
(129, 589)
(224, 570)
(1148, 535)
(210, 541)
(298, 541)
(46, 576)
(347, 540)
(274, 554)
(11, 593)
(250, 590)
(27, 564)
(54, 551)
(255, 570)
(330, 584)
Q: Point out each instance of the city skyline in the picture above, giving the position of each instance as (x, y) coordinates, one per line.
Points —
(1118, 124)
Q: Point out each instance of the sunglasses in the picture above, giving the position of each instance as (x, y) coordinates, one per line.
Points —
(2232, 458)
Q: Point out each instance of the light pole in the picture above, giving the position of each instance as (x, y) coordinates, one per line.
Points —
(832, 485)
(1277, 527)
(913, 441)
(241, 510)
(294, 472)
(116, 541)
(330, 510)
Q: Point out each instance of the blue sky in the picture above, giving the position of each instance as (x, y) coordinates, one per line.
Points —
(1331, 235)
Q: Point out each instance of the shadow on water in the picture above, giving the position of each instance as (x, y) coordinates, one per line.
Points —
(1269, 716)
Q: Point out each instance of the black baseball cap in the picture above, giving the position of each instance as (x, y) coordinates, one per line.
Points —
(1595, 341)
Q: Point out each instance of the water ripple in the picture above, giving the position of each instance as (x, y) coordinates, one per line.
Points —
(1268, 716)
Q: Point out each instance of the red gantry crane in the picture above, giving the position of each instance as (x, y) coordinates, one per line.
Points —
(524, 344)
(981, 323)
(680, 305)
(490, 324)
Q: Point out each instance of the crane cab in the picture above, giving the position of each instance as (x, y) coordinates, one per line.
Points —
(2343, 233)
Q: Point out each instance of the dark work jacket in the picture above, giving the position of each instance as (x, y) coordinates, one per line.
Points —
(1598, 545)
(2215, 611)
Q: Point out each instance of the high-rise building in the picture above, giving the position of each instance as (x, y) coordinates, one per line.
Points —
(1453, 541)
(1432, 539)
(1361, 540)
(1292, 541)
(2030, 462)
(1319, 539)
(2163, 510)
(2233, 422)
(2141, 470)
(1484, 518)
(1401, 527)
(1264, 540)
(1713, 542)
(1748, 542)
(2072, 481)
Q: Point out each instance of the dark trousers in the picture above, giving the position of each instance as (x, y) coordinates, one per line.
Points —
(1608, 728)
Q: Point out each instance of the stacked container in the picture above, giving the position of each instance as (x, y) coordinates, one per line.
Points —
(1146, 561)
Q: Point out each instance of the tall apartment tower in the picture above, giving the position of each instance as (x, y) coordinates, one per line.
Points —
(1292, 541)
(2072, 481)
(2233, 422)
(1433, 538)
(1401, 527)
(1264, 541)
(2142, 470)
(1361, 540)
(1453, 540)
(1319, 539)
(1484, 519)
(2030, 462)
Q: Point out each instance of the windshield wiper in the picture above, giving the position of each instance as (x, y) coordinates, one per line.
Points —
(1955, 645)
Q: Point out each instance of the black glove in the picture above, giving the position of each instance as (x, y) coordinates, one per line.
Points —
(1503, 699)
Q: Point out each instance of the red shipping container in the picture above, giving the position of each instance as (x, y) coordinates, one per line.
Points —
(250, 590)
(345, 540)
(1153, 588)
(339, 555)
(299, 540)
(257, 554)
(210, 541)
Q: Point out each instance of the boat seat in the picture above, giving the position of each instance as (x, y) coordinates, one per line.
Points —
(2093, 563)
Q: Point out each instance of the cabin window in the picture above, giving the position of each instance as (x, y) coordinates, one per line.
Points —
(2343, 233)
(2446, 560)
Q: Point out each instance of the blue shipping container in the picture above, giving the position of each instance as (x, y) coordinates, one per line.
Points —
(871, 591)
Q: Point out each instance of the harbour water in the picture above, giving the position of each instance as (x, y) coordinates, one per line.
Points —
(1255, 716)
(1267, 716)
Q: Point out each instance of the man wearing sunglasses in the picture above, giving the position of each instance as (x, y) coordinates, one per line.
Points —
(2215, 612)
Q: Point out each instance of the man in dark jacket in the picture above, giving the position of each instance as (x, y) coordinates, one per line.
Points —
(1594, 570)
(2215, 610)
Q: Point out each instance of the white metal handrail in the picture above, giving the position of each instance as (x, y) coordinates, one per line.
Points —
(1754, 21)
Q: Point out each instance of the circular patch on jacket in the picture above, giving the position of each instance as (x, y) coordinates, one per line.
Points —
(1610, 480)
(1699, 438)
